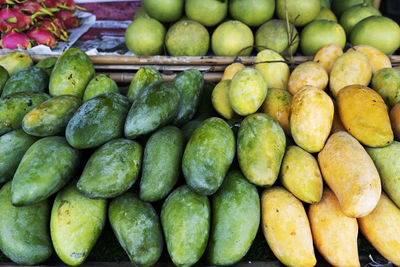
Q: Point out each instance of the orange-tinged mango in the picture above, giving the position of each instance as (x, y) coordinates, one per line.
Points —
(352, 67)
(286, 228)
(231, 70)
(382, 229)
(364, 114)
(378, 59)
(335, 234)
(277, 105)
(395, 120)
(351, 174)
(308, 73)
(311, 118)
(337, 124)
(220, 99)
(327, 55)
(276, 74)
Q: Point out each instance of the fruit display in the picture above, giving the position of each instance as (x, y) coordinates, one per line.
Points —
(241, 28)
(24, 24)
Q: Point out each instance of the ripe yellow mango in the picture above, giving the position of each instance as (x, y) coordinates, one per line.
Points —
(352, 67)
(311, 118)
(231, 70)
(220, 99)
(247, 91)
(301, 176)
(327, 55)
(276, 74)
(308, 73)
(335, 234)
(364, 114)
(378, 59)
(277, 105)
(286, 228)
(351, 174)
(382, 229)
(395, 120)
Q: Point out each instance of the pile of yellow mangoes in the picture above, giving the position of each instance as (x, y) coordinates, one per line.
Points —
(350, 128)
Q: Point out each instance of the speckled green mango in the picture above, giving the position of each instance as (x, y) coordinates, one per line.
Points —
(161, 163)
(44, 169)
(185, 218)
(235, 220)
(24, 234)
(13, 146)
(111, 170)
(100, 84)
(155, 106)
(261, 146)
(190, 84)
(137, 227)
(208, 156)
(15, 61)
(3, 77)
(14, 107)
(143, 77)
(71, 74)
(76, 223)
(52, 116)
(189, 128)
(32, 79)
(387, 162)
(47, 64)
(97, 121)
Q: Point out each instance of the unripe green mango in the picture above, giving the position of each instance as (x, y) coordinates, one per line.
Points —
(143, 77)
(100, 84)
(15, 61)
(47, 64)
(31, 79)
(137, 227)
(3, 77)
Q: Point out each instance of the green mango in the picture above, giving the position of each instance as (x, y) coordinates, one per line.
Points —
(31, 79)
(76, 223)
(13, 146)
(387, 162)
(208, 156)
(155, 106)
(15, 61)
(386, 82)
(47, 64)
(52, 116)
(111, 170)
(161, 163)
(143, 77)
(185, 218)
(190, 84)
(14, 107)
(206, 109)
(100, 84)
(260, 148)
(137, 227)
(235, 220)
(72, 72)
(3, 77)
(97, 121)
(44, 169)
(24, 234)
(189, 128)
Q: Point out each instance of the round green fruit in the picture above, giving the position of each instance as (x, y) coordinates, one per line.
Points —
(206, 12)
(340, 6)
(377, 31)
(145, 37)
(274, 35)
(320, 33)
(230, 38)
(300, 12)
(165, 10)
(355, 14)
(141, 13)
(326, 14)
(252, 12)
(187, 38)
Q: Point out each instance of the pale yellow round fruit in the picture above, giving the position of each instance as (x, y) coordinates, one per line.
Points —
(220, 99)
(377, 59)
(327, 55)
(308, 73)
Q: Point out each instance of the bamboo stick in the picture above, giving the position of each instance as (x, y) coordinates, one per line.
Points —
(126, 77)
(162, 67)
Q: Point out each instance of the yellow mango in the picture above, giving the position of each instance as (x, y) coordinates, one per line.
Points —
(382, 229)
(311, 118)
(327, 55)
(220, 99)
(276, 74)
(378, 59)
(351, 174)
(231, 70)
(308, 73)
(364, 114)
(286, 228)
(247, 91)
(300, 175)
(334, 234)
(352, 67)
(277, 105)
(395, 120)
